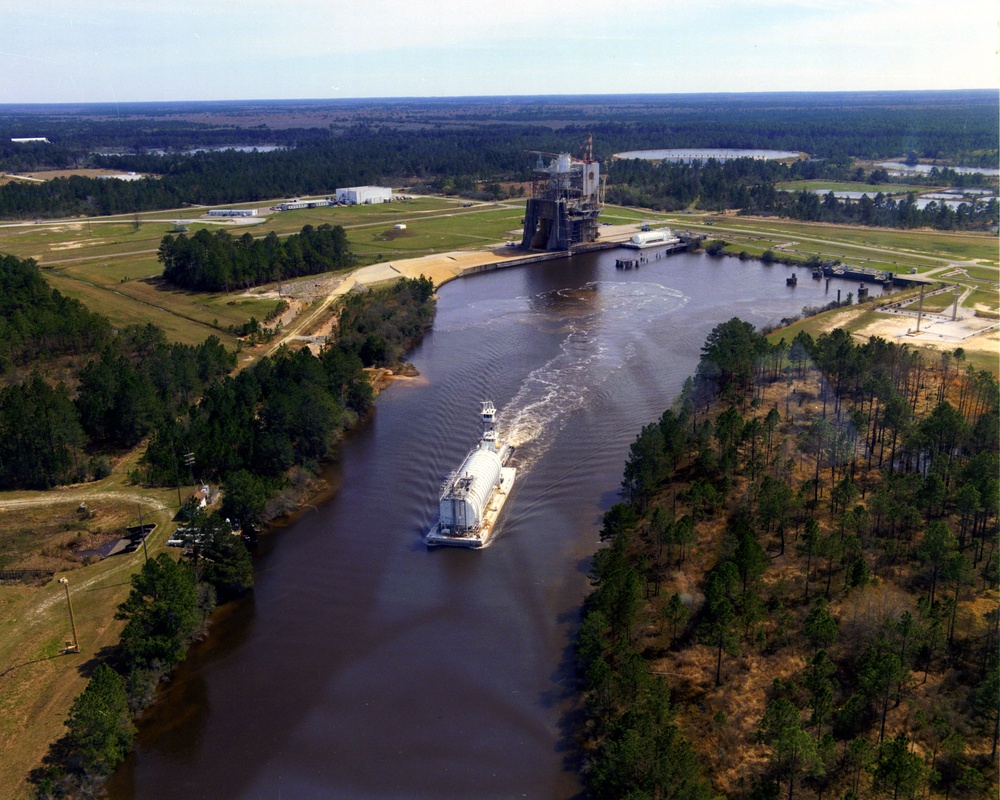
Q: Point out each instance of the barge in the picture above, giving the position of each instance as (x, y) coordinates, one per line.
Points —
(474, 494)
(657, 238)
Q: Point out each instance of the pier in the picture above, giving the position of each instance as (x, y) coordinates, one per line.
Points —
(869, 275)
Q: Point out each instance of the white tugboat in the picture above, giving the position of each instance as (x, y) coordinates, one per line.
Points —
(473, 495)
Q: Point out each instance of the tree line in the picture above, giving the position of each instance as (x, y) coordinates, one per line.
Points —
(50, 435)
(836, 504)
(830, 125)
(750, 185)
(221, 262)
(262, 430)
(37, 321)
(286, 411)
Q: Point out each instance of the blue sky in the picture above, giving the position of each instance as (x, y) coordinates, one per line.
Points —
(133, 50)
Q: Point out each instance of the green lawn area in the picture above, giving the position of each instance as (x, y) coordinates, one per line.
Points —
(871, 189)
(916, 247)
(982, 273)
(108, 262)
(985, 297)
(620, 215)
(123, 310)
(435, 233)
(935, 304)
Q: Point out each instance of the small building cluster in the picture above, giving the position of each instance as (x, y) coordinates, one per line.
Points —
(349, 196)
(292, 205)
(122, 176)
(232, 212)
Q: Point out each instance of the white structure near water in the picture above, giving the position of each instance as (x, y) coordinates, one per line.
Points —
(644, 239)
(473, 495)
(364, 195)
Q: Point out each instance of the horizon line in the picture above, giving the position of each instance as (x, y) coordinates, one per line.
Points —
(507, 97)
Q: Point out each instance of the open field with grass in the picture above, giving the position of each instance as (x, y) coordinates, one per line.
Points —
(110, 263)
(984, 297)
(902, 248)
(438, 233)
(38, 679)
(871, 189)
(977, 273)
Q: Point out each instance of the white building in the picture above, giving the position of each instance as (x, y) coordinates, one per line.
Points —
(27, 139)
(232, 212)
(130, 176)
(364, 195)
(292, 205)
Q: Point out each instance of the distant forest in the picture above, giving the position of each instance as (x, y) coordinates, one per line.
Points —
(750, 185)
(470, 144)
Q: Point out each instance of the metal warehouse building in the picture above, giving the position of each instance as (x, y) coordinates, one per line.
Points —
(360, 195)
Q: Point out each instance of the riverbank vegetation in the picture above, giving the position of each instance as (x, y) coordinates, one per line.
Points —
(806, 553)
(261, 433)
(284, 412)
(167, 608)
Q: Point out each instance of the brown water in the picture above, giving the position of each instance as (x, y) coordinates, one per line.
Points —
(366, 665)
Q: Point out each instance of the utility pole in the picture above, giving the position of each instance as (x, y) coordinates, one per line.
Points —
(72, 620)
(142, 532)
(189, 462)
(177, 472)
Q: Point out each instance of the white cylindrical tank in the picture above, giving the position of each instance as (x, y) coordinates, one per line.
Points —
(465, 497)
(651, 236)
(564, 162)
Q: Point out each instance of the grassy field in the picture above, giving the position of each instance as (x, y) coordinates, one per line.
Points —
(110, 263)
(434, 234)
(981, 273)
(38, 679)
(900, 248)
(985, 297)
(871, 189)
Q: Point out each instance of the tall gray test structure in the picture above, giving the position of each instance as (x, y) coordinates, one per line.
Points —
(566, 198)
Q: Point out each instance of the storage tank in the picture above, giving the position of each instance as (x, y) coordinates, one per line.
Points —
(651, 237)
(466, 494)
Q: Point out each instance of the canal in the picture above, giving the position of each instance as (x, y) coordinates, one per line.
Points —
(367, 666)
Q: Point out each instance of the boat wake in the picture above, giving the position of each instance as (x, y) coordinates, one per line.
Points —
(604, 321)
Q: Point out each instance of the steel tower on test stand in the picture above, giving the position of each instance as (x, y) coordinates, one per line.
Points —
(566, 199)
